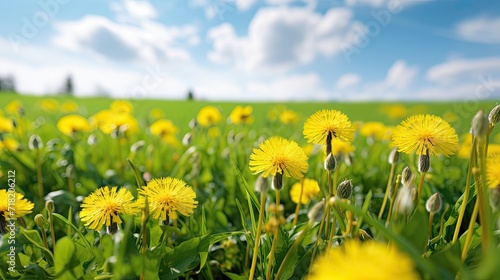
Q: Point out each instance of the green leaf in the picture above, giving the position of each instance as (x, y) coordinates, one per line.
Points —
(87, 243)
(247, 188)
(448, 260)
(233, 276)
(415, 231)
(204, 231)
(138, 177)
(66, 264)
(177, 261)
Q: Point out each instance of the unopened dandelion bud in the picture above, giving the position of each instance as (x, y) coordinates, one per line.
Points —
(494, 116)
(112, 228)
(316, 213)
(403, 203)
(40, 221)
(92, 139)
(393, 156)
(261, 184)
(344, 189)
(330, 163)
(35, 142)
(137, 146)
(332, 201)
(49, 205)
(424, 163)
(433, 203)
(495, 198)
(479, 124)
(278, 181)
(407, 176)
(186, 140)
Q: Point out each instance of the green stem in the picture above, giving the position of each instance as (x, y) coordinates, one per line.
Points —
(275, 239)
(429, 230)
(292, 250)
(465, 198)
(485, 213)
(52, 232)
(470, 232)
(387, 190)
(394, 194)
(257, 234)
(420, 184)
(39, 177)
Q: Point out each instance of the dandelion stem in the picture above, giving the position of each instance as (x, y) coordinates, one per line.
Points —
(318, 238)
(275, 239)
(394, 193)
(44, 238)
(257, 234)
(291, 252)
(327, 206)
(52, 232)
(429, 230)
(465, 199)
(297, 208)
(39, 177)
(332, 231)
(482, 195)
(420, 184)
(470, 231)
(387, 190)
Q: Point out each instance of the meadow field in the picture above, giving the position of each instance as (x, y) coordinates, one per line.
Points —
(97, 188)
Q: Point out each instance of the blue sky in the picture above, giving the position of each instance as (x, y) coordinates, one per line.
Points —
(255, 49)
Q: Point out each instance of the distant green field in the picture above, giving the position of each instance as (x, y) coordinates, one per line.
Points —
(459, 113)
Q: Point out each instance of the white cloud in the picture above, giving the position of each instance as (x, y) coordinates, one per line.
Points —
(131, 10)
(373, 3)
(391, 4)
(149, 40)
(280, 38)
(463, 69)
(348, 80)
(244, 5)
(400, 76)
(480, 30)
(219, 8)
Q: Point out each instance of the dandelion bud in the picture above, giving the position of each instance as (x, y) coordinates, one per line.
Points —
(186, 140)
(424, 163)
(433, 203)
(278, 181)
(393, 156)
(330, 163)
(40, 220)
(271, 208)
(403, 203)
(92, 140)
(137, 146)
(494, 115)
(316, 213)
(407, 176)
(261, 184)
(495, 198)
(344, 189)
(35, 142)
(479, 124)
(49, 205)
(193, 124)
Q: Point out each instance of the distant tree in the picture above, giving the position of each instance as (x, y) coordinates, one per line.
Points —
(190, 95)
(7, 83)
(68, 85)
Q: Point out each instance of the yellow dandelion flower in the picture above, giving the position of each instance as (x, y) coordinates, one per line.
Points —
(14, 107)
(493, 171)
(310, 189)
(213, 132)
(49, 105)
(104, 205)
(396, 111)
(241, 115)
(278, 155)
(208, 116)
(324, 122)
(6, 125)
(22, 205)
(72, 124)
(274, 113)
(156, 113)
(9, 144)
(109, 122)
(359, 261)
(166, 130)
(493, 149)
(465, 146)
(121, 106)
(69, 107)
(422, 133)
(373, 129)
(288, 117)
(167, 196)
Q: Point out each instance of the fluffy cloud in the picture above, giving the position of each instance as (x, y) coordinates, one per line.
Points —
(148, 41)
(348, 80)
(480, 30)
(400, 76)
(457, 70)
(280, 38)
(130, 10)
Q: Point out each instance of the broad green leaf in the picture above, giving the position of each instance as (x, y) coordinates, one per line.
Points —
(66, 264)
(233, 276)
(178, 260)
